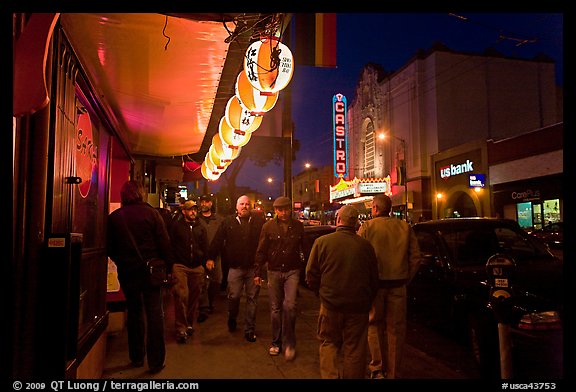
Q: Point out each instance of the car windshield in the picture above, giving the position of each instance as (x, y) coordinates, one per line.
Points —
(473, 246)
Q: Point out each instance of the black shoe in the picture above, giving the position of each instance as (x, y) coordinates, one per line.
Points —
(137, 364)
(189, 331)
(250, 336)
(202, 317)
(231, 324)
(181, 339)
(156, 369)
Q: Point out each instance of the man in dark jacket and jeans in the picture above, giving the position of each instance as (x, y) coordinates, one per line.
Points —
(280, 247)
(139, 220)
(236, 240)
(189, 245)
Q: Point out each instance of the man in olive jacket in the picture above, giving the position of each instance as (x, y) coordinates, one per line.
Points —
(342, 268)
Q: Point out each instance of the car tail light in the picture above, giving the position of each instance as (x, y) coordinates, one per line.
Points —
(541, 321)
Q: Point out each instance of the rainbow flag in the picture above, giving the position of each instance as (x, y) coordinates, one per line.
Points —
(314, 39)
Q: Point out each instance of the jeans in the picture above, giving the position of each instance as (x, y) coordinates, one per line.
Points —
(283, 293)
(239, 279)
(145, 337)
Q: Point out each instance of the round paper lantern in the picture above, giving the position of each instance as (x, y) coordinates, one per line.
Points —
(268, 73)
(230, 136)
(224, 150)
(211, 166)
(239, 118)
(220, 163)
(251, 98)
(208, 174)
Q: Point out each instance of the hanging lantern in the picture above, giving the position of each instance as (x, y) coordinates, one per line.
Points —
(211, 167)
(266, 71)
(208, 174)
(230, 137)
(251, 98)
(220, 163)
(239, 118)
(224, 150)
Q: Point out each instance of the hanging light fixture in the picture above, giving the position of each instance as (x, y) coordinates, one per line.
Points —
(224, 150)
(230, 136)
(239, 118)
(252, 99)
(268, 65)
(211, 166)
(209, 174)
(220, 163)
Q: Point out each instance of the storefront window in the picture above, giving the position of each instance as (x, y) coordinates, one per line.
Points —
(524, 211)
(551, 211)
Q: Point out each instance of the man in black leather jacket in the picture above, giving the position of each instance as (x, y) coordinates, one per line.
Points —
(236, 241)
(189, 245)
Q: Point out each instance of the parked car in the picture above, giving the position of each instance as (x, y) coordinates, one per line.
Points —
(310, 234)
(552, 234)
(451, 288)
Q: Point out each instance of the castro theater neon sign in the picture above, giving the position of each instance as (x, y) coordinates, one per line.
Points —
(339, 112)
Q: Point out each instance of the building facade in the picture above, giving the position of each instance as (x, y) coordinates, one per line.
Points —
(432, 124)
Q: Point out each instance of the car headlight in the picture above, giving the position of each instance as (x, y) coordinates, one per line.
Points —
(541, 320)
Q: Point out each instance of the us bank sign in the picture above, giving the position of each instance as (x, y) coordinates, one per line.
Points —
(453, 170)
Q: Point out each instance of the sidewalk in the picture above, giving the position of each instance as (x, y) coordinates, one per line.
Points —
(214, 353)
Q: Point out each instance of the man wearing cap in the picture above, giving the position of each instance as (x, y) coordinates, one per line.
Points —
(189, 246)
(342, 269)
(210, 220)
(280, 248)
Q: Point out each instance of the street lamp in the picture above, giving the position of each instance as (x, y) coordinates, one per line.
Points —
(382, 136)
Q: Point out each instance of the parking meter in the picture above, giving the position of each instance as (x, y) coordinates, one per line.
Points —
(500, 269)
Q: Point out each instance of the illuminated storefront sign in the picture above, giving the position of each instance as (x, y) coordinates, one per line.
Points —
(453, 170)
(373, 187)
(339, 110)
(476, 180)
(359, 187)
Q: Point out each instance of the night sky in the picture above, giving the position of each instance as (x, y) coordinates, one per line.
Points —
(391, 40)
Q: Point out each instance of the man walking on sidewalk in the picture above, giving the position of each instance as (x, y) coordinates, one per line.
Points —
(280, 248)
(236, 241)
(342, 269)
(398, 256)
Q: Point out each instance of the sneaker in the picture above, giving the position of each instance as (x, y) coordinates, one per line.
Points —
(231, 324)
(274, 350)
(289, 353)
(377, 374)
(189, 331)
